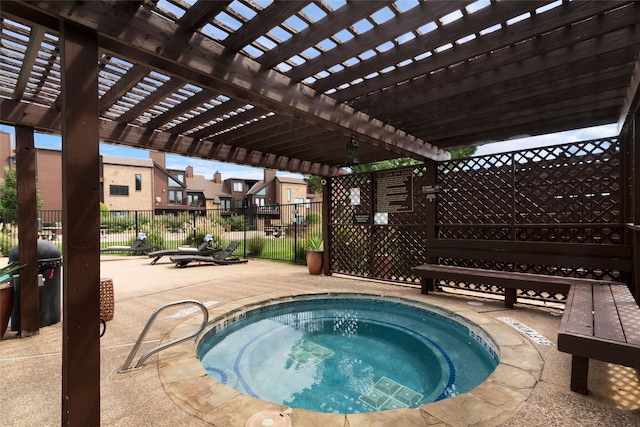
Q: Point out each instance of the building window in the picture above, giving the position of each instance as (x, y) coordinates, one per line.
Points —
(196, 200)
(175, 181)
(138, 182)
(225, 204)
(260, 201)
(237, 187)
(119, 190)
(239, 204)
(174, 197)
(288, 194)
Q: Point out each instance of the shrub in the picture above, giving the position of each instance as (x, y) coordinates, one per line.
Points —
(255, 245)
(314, 218)
(116, 223)
(173, 222)
(237, 222)
(6, 244)
(154, 238)
(197, 238)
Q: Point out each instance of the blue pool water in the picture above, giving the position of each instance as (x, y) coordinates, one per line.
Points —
(348, 354)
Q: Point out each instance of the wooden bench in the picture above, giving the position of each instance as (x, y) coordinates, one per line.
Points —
(509, 255)
(601, 319)
(600, 322)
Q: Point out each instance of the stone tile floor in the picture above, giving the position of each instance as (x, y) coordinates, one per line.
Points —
(30, 368)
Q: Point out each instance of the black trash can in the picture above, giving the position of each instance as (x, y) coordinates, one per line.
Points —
(49, 262)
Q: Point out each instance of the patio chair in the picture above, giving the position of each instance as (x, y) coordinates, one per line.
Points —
(225, 257)
(203, 250)
(137, 246)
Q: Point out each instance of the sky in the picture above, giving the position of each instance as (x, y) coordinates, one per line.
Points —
(230, 170)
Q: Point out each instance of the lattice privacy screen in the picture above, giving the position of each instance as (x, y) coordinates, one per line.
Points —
(565, 193)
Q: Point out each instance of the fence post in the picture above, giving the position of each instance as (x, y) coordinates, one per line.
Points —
(194, 225)
(295, 233)
(244, 226)
(137, 223)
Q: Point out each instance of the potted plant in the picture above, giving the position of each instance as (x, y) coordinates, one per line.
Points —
(6, 295)
(314, 253)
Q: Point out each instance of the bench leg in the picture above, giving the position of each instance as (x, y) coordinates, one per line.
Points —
(427, 285)
(509, 297)
(579, 374)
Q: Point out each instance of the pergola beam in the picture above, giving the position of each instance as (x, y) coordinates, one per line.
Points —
(632, 98)
(46, 119)
(201, 60)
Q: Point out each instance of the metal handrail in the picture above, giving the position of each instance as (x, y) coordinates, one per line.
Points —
(125, 366)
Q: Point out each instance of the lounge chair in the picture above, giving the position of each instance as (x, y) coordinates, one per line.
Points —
(225, 257)
(203, 250)
(137, 246)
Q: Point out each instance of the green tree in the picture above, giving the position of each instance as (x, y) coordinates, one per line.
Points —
(314, 183)
(460, 153)
(9, 191)
(408, 161)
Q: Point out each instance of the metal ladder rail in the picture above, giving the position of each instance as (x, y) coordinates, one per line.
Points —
(125, 366)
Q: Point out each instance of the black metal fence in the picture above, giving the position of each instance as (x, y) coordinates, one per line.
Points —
(278, 232)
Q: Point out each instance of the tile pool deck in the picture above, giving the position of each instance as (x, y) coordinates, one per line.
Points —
(530, 388)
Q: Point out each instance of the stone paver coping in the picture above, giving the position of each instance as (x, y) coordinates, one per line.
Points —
(493, 402)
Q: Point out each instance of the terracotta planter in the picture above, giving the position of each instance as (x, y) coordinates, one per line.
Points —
(314, 261)
(6, 305)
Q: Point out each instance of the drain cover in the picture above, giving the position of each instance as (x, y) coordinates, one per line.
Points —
(269, 419)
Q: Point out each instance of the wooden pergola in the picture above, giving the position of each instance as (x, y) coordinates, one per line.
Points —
(286, 85)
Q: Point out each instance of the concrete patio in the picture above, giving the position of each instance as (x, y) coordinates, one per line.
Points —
(30, 388)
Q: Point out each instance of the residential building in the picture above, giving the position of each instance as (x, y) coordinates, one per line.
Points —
(170, 186)
(147, 184)
(204, 194)
(127, 184)
(7, 154)
(48, 171)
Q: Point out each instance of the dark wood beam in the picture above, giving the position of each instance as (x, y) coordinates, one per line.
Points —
(321, 30)
(509, 98)
(122, 86)
(241, 118)
(401, 24)
(526, 31)
(152, 99)
(550, 125)
(81, 233)
(195, 101)
(200, 13)
(201, 60)
(586, 105)
(459, 83)
(45, 119)
(268, 18)
(28, 290)
(632, 97)
(207, 116)
(30, 56)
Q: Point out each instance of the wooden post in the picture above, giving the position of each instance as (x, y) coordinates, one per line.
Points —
(431, 213)
(29, 310)
(634, 141)
(326, 231)
(81, 232)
